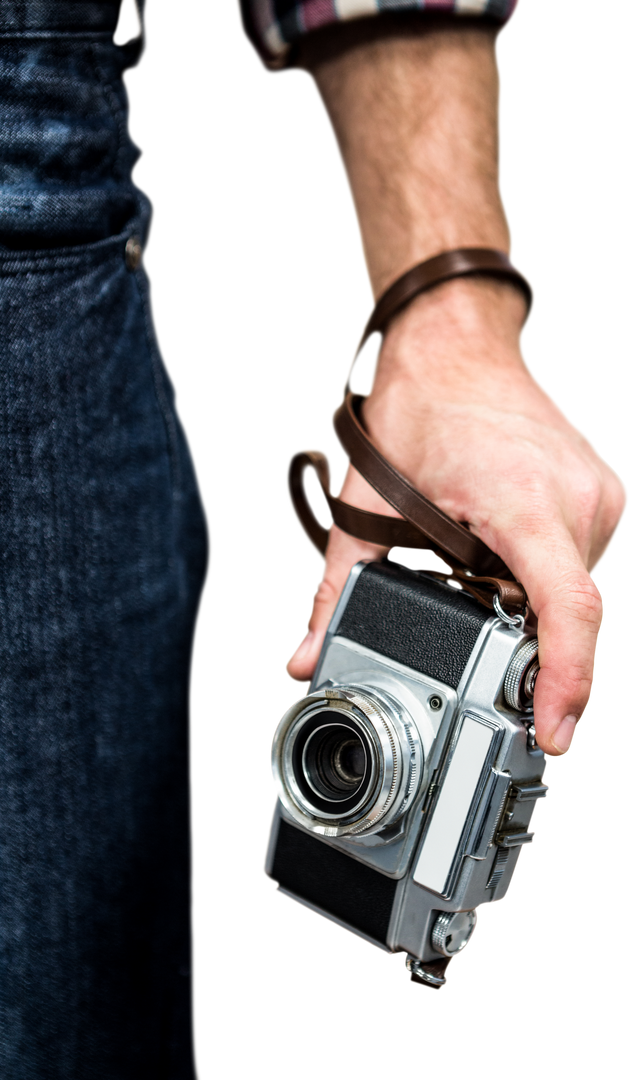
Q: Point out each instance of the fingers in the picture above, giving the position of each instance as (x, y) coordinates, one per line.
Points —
(342, 553)
(551, 558)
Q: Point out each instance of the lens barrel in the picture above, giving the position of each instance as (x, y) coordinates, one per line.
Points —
(347, 760)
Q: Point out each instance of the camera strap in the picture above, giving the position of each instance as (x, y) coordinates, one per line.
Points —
(421, 524)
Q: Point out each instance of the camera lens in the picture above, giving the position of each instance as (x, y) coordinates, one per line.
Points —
(332, 763)
(335, 762)
(347, 759)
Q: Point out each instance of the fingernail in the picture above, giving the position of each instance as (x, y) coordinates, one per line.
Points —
(563, 735)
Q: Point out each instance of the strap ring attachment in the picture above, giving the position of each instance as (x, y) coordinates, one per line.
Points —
(515, 622)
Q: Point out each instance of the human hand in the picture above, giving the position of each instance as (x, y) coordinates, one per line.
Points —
(456, 411)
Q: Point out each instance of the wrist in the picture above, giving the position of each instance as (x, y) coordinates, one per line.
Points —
(465, 329)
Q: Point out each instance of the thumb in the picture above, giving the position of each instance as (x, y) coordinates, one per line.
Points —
(342, 553)
(571, 613)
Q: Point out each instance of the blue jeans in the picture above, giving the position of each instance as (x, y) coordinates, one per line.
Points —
(102, 559)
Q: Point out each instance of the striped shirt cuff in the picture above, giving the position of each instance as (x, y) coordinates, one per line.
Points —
(272, 28)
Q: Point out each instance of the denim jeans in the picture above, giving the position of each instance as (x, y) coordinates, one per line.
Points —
(102, 558)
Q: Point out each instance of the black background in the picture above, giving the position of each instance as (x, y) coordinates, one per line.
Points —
(259, 296)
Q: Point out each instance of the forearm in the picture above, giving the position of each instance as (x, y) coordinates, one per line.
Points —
(416, 121)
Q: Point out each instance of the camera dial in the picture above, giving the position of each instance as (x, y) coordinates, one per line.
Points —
(519, 684)
(452, 931)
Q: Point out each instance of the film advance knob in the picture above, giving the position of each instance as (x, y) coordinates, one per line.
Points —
(452, 931)
(521, 674)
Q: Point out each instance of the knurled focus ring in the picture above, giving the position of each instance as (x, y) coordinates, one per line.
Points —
(523, 659)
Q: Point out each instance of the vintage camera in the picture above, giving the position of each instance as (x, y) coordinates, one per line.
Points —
(408, 775)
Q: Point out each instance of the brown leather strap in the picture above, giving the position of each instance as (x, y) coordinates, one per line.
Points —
(391, 532)
(454, 542)
(421, 524)
(376, 528)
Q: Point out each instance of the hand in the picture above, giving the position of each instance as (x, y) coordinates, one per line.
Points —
(456, 411)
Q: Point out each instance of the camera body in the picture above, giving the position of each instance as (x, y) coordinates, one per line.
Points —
(408, 776)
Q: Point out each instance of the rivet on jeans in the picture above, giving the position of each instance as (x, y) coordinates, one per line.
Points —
(133, 253)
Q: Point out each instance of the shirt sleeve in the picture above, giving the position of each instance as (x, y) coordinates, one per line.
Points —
(276, 26)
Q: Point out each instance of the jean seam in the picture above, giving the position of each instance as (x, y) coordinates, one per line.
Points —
(158, 352)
